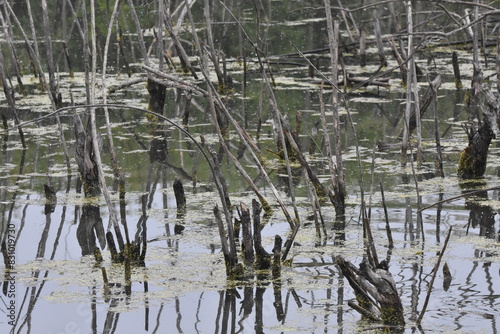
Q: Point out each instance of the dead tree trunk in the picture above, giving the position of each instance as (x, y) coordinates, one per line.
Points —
(375, 290)
(84, 157)
(472, 163)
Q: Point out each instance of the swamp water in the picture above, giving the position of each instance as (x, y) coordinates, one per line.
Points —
(56, 286)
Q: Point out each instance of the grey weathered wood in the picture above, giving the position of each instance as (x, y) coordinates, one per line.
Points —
(247, 242)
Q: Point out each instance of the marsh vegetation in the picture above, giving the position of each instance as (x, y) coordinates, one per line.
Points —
(249, 166)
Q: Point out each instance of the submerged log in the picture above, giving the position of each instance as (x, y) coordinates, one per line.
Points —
(375, 290)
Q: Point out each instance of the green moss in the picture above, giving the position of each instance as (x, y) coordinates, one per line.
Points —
(470, 167)
(392, 316)
(268, 210)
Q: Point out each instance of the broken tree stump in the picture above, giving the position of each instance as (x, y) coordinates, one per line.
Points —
(262, 257)
(247, 242)
(84, 157)
(375, 291)
(472, 163)
(180, 199)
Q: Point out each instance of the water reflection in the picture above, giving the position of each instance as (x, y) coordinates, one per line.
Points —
(481, 215)
(55, 231)
(253, 306)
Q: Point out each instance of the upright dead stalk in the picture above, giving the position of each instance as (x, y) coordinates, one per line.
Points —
(498, 62)
(9, 95)
(7, 29)
(326, 138)
(456, 70)
(52, 89)
(378, 38)
(414, 86)
(221, 105)
(142, 45)
(409, 83)
(104, 92)
(213, 53)
(33, 30)
(339, 180)
(113, 218)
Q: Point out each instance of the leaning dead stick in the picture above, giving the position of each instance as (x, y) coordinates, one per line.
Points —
(222, 106)
(38, 65)
(116, 106)
(159, 116)
(424, 308)
(465, 194)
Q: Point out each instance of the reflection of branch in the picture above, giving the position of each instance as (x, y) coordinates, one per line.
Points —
(465, 194)
(424, 307)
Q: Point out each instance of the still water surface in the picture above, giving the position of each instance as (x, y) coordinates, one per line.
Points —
(183, 287)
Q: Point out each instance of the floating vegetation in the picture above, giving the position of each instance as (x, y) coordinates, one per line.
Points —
(234, 165)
